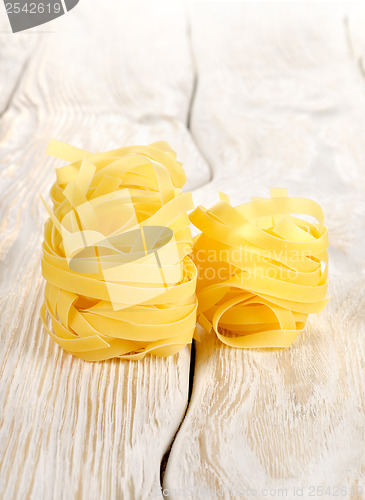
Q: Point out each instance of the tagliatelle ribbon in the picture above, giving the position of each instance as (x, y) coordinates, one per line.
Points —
(261, 268)
(120, 282)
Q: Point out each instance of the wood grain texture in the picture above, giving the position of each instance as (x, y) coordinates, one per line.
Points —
(14, 55)
(280, 102)
(101, 79)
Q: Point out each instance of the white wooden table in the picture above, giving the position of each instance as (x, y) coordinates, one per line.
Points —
(250, 95)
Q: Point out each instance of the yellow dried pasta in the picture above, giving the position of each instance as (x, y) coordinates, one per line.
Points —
(119, 279)
(261, 268)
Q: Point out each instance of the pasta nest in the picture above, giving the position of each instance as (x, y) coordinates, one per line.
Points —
(119, 279)
(261, 268)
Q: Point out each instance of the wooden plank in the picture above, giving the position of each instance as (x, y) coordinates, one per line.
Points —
(15, 52)
(281, 102)
(104, 77)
